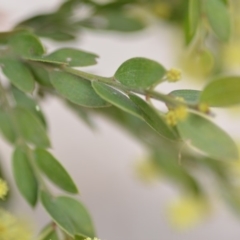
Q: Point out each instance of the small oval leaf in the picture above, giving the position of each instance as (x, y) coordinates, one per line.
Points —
(54, 171)
(73, 57)
(219, 18)
(189, 96)
(153, 119)
(207, 137)
(222, 92)
(24, 176)
(140, 73)
(76, 89)
(116, 98)
(18, 74)
(22, 100)
(26, 44)
(31, 128)
(74, 220)
(193, 16)
(6, 127)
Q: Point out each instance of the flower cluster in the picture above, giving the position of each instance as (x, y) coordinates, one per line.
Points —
(13, 229)
(187, 211)
(175, 115)
(173, 75)
(3, 189)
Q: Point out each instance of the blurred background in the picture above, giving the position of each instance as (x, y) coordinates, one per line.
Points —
(103, 161)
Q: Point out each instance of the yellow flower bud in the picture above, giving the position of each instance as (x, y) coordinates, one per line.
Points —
(187, 212)
(178, 114)
(171, 118)
(147, 171)
(203, 107)
(181, 113)
(174, 75)
(180, 99)
(3, 189)
(12, 228)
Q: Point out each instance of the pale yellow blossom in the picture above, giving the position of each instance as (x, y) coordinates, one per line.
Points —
(174, 75)
(175, 115)
(187, 212)
(12, 228)
(203, 107)
(147, 171)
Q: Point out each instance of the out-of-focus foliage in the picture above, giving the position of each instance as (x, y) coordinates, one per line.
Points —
(180, 141)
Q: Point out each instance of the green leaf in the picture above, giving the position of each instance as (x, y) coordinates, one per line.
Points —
(41, 75)
(24, 176)
(119, 21)
(31, 128)
(26, 44)
(140, 73)
(45, 60)
(153, 119)
(204, 135)
(73, 57)
(222, 92)
(7, 127)
(69, 214)
(18, 74)
(79, 237)
(189, 96)
(52, 236)
(76, 89)
(24, 101)
(116, 98)
(54, 171)
(219, 18)
(193, 17)
(57, 35)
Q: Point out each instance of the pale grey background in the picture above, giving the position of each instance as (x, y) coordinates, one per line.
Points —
(102, 162)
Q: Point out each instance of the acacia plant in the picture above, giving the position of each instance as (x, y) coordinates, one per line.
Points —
(180, 140)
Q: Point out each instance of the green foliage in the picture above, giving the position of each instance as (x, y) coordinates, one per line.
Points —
(24, 176)
(189, 96)
(30, 127)
(18, 74)
(70, 86)
(192, 19)
(6, 127)
(219, 18)
(26, 44)
(207, 137)
(54, 170)
(154, 119)
(76, 220)
(222, 92)
(178, 148)
(72, 57)
(116, 98)
(140, 73)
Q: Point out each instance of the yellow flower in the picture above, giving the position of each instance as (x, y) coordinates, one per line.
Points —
(180, 99)
(174, 75)
(203, 107)
(13, 229)
(181, 113)
(171, 118)
(187, 212)
(178, 114)
(147, 171)
(3, 189)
